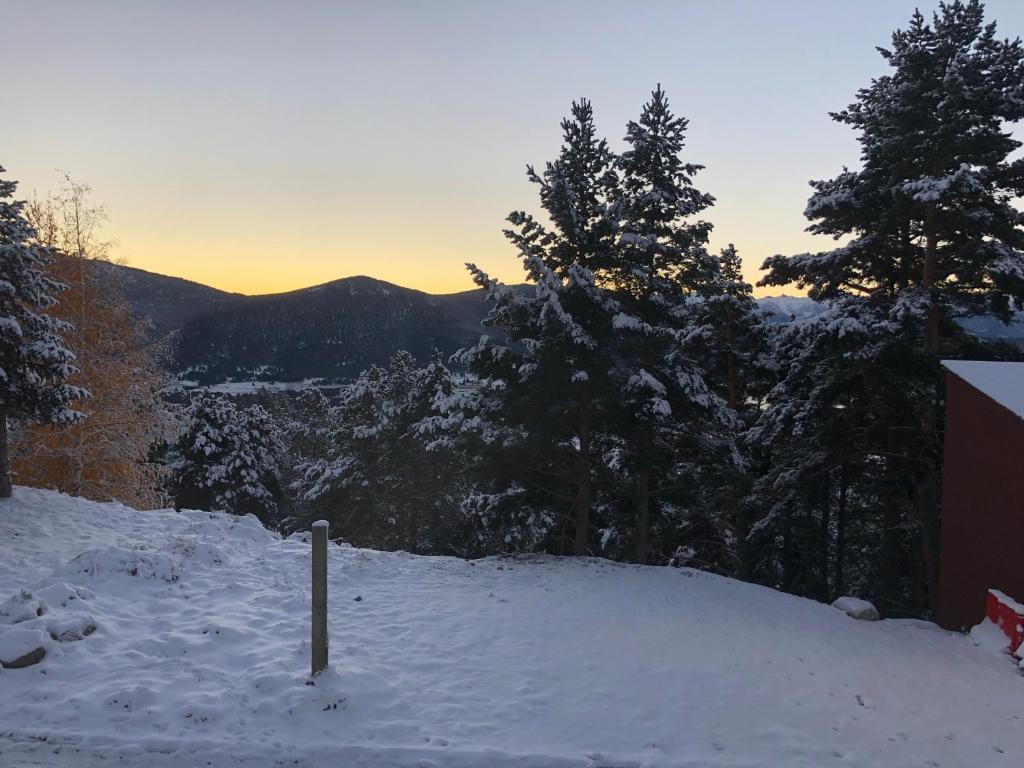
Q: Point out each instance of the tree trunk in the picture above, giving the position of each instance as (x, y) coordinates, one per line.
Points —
(5, 459)
(787, 577)
(839, 563)
(824, 537)
(892, 512)
(643, 517)
(928, 510)
(927, 496)
(889, 567)
(931, 326)
(732, 385)
(85, 353)
(412, 532)
(740, 519)
(742, 531)
(583, 497)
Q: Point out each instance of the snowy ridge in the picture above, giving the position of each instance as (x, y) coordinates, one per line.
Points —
(783, 309)
(201, 657)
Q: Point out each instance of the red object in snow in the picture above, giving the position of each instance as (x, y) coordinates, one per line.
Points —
(1007, 614)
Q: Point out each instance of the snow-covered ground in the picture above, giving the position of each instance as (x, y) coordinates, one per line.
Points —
(200, 658)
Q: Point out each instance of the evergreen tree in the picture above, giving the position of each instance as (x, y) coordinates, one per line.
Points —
(229, 457)
(835, 441)
(930, 211)
(34, 363)
(661, 262)
(547, 384)
(389, 477)
(731, 329)
(824, 431)
(305, 423)
(596, 391)
(731, 336)
(662, 253)
(933, 232)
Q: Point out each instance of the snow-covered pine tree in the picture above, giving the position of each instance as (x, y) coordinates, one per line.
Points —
(730, 335)
(34, 362)
(837, 472)
(933, 231)
(930, 211)
(661, 250)
(229, 457)
(390, 474)
(546, 386)
(438, 444)
(661, 262)
(732, 329)
(305, 430)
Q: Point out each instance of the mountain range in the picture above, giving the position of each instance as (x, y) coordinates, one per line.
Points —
(330, 331)
(335, 330)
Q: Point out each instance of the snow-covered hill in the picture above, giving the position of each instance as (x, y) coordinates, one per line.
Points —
(200, 656)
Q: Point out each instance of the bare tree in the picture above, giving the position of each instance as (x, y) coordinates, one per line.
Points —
(106, 456)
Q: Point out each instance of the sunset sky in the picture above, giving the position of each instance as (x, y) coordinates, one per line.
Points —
(265, 146)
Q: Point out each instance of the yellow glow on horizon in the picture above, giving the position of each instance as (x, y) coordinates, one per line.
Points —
(252, 244)
(221, 273)
(251, 254)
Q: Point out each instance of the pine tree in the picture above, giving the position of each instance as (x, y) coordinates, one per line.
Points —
(34, 363)
(731, 337)
(934, 234)
(229, 458)
(305, 423)
(661, 262)
(930, 211)
(389, 476)
(823, 431)
(547, 384)
(732, 329)
(662, 253)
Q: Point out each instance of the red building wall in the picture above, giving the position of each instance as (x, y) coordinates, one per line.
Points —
(982, 505)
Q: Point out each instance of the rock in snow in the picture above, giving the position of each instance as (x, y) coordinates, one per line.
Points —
(21, 647)
(200, 656)
(35, 616)
(857, 608)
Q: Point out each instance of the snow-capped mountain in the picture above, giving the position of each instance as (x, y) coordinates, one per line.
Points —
(786, 308)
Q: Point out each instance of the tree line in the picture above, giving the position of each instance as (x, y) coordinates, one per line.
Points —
(632, 402)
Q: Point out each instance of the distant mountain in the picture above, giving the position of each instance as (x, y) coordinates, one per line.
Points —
(326, 331)
(991, 328)
(784, 309)
(329, 331)
(333, 331)
(169, 302)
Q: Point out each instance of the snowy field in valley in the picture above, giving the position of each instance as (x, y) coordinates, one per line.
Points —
(200, 656)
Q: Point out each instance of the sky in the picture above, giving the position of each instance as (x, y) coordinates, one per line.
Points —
(261, 147)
